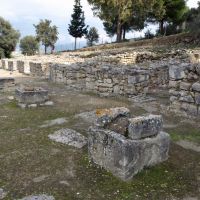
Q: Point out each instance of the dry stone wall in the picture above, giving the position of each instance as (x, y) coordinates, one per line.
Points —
(185, 88)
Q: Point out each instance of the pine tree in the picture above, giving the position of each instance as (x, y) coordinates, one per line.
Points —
(77, 27)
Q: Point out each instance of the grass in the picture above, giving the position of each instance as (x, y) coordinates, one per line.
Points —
(27, 153)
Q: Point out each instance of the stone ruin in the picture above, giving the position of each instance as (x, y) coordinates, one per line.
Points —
(32, 97)
(6, 83)
(124, 145)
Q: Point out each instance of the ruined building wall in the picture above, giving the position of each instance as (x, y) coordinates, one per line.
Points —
(185, 88)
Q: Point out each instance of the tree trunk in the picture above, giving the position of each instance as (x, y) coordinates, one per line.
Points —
(45, 49)
(124, 33)
(75, 43)
(119, 31)
(162, 27)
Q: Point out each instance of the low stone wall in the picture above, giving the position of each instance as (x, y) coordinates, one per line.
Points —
(185, 88)
(111, 79)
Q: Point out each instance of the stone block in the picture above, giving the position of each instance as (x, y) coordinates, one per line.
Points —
(138, 78)
(124, 157)
(185, 86)
(144, 126)
(190, 109)
(176, 73)
(187, 98)
(197, 98)
(196, 87)
(31, 95)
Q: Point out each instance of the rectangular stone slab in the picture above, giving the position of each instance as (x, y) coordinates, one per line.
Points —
(144, 126)
(123, 157)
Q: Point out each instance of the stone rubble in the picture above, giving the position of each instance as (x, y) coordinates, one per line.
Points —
(69, 137)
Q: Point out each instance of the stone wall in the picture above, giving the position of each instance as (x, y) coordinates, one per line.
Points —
(185, 88)
(109, 79)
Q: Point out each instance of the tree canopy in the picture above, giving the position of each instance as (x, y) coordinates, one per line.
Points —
(8, 38)
(126, 12)
(77, 27)
(46, 34)
(29, 45)
(92, 36)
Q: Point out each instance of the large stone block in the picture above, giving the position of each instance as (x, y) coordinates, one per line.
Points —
(176, 73)
(27, 95)
(144, 126)
(124, 157)
(196, 87)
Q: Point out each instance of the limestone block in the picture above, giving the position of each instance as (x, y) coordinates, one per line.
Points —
(176, 72)
(144, 126)
(190, 109)
(174, 84)
(197, 98)
(137, 78)
(124, 157)
(196, 87)
(185, 86)
(187, 98)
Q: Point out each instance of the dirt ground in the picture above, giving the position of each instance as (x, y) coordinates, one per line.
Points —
(31, 164)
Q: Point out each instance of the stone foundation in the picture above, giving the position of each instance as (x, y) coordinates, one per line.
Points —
(142, 144)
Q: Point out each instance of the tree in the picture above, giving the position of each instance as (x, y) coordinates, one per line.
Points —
(123, 10)
(193, 20)
(46, 34)
(92, 36)
(29, 45)
(172, 12)
(77, 27)
(8, 38)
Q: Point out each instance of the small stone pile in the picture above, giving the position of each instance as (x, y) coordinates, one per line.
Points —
(124, 145)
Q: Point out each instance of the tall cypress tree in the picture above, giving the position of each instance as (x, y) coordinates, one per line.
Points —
(77, 27)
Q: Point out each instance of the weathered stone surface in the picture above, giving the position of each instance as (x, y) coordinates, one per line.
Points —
(106, 116)
(53, 122)
(197, 98)
(124, 157)
(176, 73)
(69, 137)
(187, 98)
(190, 109)
(196, 87)
(31, 95)
(38, 197)
(185, 86)
(145, 126)
(6, 82)
(3, 194)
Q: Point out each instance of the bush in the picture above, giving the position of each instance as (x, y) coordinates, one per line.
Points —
(29, 45)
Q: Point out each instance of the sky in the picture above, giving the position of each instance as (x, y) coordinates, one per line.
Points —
(24, 13)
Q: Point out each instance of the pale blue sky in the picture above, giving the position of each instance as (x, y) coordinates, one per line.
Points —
(24, 13)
